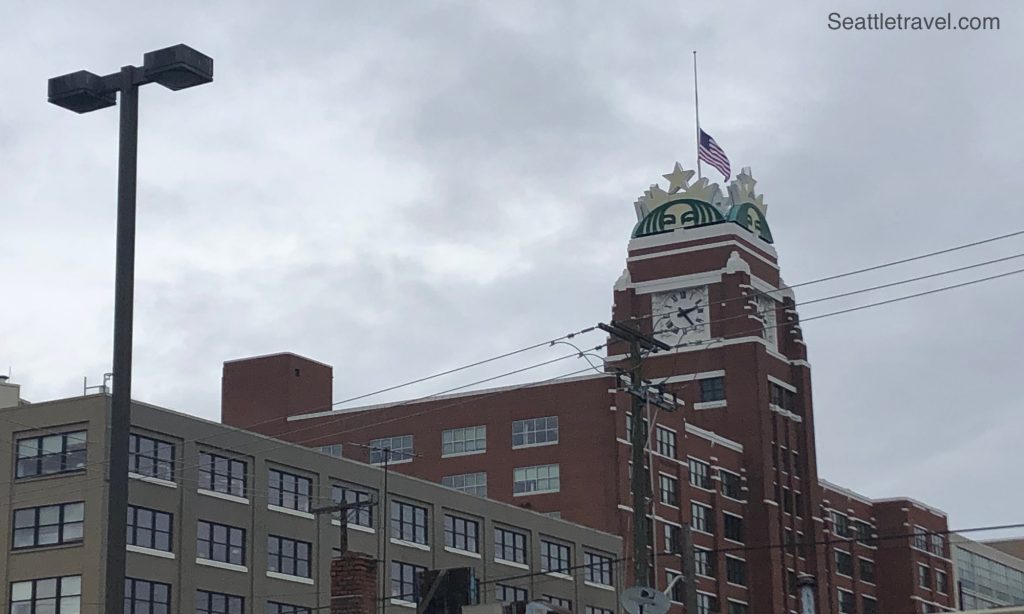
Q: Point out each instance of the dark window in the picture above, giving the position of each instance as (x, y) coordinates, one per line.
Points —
(595, 610)
(736, 571)
(782, 397)
(844, 563)
(461, 533)
(864, 532)
(940, 582)
(737, 608)
(507, 594)
(846, 602)
(509, 545)
(220, 542)
(668, 488)
(221, 474)
(469, 483)
(701, 518)
(51, 454)
(712, 389)
(666, 441)
(869, 605)
(678, 593)
(48, 525)
(151, 457)
(405, 581)
(704, 562)
(560, 602)
(555, 557)
(732, 526)
(840, 525)
(274, 607)
(535, 431)
(707, 604)
(362, 515)
(289, 490)
(732, 484)
(700, 474)
(599, 568)
(218, 603)
(408, 522)
(47, 596)
(673, 539)
(149, 528)
(867, 570)
(924, 576)
(145, 597)
(288, 556)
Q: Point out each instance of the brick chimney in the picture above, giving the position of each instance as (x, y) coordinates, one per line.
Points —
(354, 584)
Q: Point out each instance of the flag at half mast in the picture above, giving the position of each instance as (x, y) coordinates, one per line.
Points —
(709, 151)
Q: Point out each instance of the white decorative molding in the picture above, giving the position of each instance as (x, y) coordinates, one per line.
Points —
(224, 496)
(512, 564)
(736, 264)
(461, 552)
(402, 542)
(711, 404)
(777, 381)
(152, 480)
(149, 551)
(680, 281)
(713, 437)
(290, 578)
(290, 512)
(220, 565)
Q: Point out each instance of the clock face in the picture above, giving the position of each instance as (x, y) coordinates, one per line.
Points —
(769, 329)
(681, 316)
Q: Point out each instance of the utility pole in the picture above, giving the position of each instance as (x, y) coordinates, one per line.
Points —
(689, 569)
(342, 509)
(639, 482)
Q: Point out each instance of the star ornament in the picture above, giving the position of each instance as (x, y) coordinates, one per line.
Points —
(678, 179)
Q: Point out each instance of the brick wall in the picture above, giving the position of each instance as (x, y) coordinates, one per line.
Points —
(354, 584)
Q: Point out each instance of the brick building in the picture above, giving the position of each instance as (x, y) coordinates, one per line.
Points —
(736, 462)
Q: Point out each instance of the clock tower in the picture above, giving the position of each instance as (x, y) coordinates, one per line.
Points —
(703, 277)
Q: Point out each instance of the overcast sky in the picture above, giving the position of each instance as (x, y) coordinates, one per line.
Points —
(399, 188)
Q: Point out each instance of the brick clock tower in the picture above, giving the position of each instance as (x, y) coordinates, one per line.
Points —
(735, 463)
(713, 293)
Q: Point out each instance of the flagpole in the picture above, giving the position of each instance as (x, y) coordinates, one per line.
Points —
(696, 112)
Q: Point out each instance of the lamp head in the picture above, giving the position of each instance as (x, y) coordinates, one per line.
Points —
(80, 92)
(178, 67)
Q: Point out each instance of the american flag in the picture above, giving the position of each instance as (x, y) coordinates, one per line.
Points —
(709, 151)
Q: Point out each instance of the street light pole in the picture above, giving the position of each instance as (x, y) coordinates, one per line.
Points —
(176, 67)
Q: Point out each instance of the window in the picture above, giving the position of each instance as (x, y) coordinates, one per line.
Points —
(47, 596)
(712, 389)
(840, 524)
(274, 607)
(559, 602)
(288, 556)
(51, 454)
(732, 484)
(391, 449)
(595, 610)
(408, 522)
(469, 483)
(707, 604)
(678, 593)
(703, 562)
(220, 542)
(919, 539)
(150, 457)
(508, 594)
(149, 528)
(289, 491)
(464, 441)
(535, 432)
(868, 605)
(863, 532)
(509, 545)
(599, 568)
(461, 533)
(924, 576)
(736, 571)
(221, 474)
(844, 563)
(846, 602)
(701, 518)
(938, 544)
(668, 488)
(405, 581)
(554, 557)
(48, 525)
(940, 582)
(732, 526)
(735, 607)
(867, 570)
(332, 449)
(360, 516)
(781, 397)
(673, 539)
(700, 474)
(537, 479)
(145, 597)
(665, 441)
(218, 603)
(629, 428)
